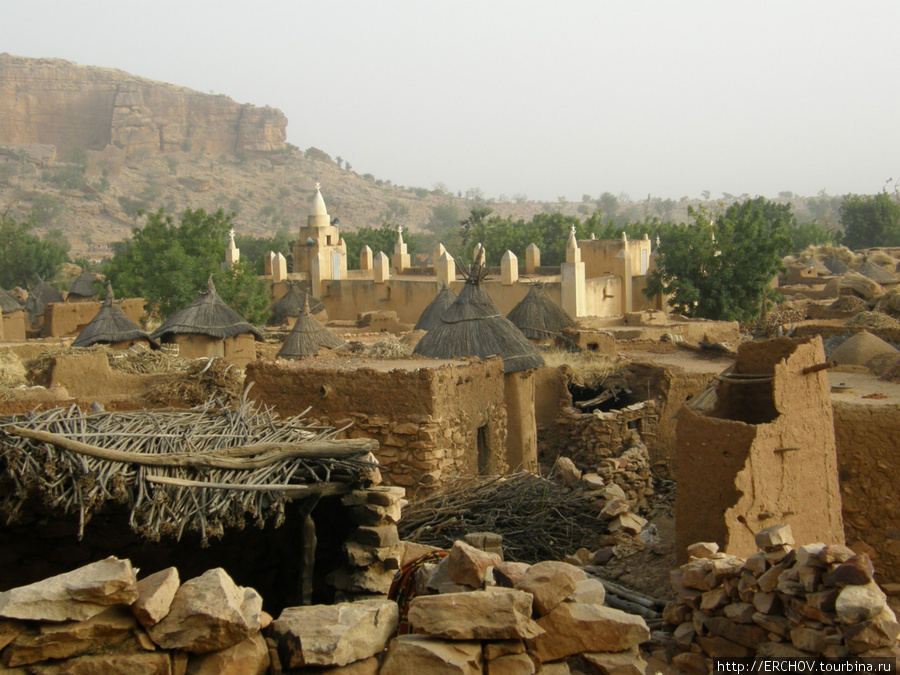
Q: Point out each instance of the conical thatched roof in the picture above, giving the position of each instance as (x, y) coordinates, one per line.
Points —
(42, 294)
(8, 303)
(876, 274)
(291, 305)
(538, 317)
(307, 337)
(83, 286)
(835, 265)
(207, 315)
(111, 325)
(473, 326)
(432, 314)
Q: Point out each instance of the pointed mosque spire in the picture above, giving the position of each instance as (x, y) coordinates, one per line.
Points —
(231, 244)
(318, 205)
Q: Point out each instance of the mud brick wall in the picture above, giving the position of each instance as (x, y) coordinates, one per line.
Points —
(869, 471)
(430, 421)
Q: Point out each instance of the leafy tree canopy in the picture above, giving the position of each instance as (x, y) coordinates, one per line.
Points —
(168, 262)
(719, 266)
(870, 220)
(26, 258)
(379, 239)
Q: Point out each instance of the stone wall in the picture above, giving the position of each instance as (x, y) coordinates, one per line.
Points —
(601, 443)
(55, 102)
(869, 470)
(431, 418)
(810, 601)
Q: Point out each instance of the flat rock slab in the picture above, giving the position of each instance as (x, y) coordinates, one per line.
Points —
(209, 613)
(493, 614)
(138, 663)
(334, 635)
(74, 638)
(573, 628)
(73, 596)
(420, 654)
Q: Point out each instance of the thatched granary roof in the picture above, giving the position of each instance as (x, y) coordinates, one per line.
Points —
(473, 326)
(538, 317)
(307, 337)
(835, 265)
(111, 325)
(876, 274)
(43, 294)
(8, 303)
(291, 305)
(83, 286)
(207, 315)
(432, 314)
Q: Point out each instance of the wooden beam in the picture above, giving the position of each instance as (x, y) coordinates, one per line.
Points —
(261, 454)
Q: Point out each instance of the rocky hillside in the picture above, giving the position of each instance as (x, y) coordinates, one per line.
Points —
(83, 148)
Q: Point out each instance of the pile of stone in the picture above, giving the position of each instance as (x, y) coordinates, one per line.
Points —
(485, 615)
(611, 491)
(101, 619)
(609, 444)
(374, 553)
(815, 600)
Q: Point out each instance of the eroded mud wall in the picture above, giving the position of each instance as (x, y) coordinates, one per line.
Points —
(868, 437)
(776, 464)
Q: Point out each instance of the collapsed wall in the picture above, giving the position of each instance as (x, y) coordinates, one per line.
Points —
(764, 453)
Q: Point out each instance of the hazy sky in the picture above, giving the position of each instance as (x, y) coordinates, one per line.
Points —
(544, 98)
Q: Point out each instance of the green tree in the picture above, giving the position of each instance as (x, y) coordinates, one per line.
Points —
(242, 290)
(167, 262)
(444, 218)
(254, 249)
(870, 220)
(379, 239)
(717, 267)
(811, 234)
(26, 258)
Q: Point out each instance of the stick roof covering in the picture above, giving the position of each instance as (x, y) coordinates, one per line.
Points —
(307, 337)
(9, 303)
(538, 317)
(876, 274)
(42, 294)
(835, 265)
(84, 285)
(292, 304)
(248, 465)
(111, 325)
(473, 326)
(432, 314)
(207, 315)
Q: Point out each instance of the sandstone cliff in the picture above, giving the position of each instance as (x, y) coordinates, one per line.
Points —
(56, 102)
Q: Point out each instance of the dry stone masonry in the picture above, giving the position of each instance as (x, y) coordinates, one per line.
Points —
(783, 601)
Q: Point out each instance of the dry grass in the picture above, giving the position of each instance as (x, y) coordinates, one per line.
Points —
(12, 370)
(586, 369)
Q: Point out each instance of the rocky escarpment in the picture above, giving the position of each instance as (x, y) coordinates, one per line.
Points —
(56, 102)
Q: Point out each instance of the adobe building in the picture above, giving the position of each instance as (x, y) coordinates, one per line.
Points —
(320, 251)
(208, 328)
(12, 318)
(763, 454)
(599, 277)
(432, 418)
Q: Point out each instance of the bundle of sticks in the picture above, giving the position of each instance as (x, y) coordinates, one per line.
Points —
(201, 469)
